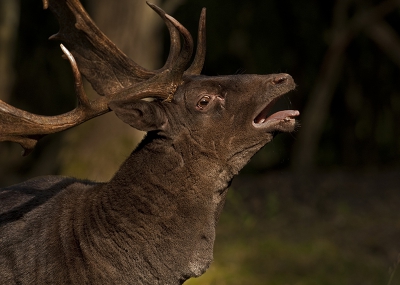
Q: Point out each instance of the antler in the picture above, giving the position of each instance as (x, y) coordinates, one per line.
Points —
(111, 73)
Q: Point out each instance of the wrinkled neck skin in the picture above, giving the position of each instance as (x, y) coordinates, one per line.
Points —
(166, 223)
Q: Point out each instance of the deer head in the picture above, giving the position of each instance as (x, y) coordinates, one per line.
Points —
(228, 115)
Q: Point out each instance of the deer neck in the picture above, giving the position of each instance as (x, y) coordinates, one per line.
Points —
(179, 166)
(174, 192)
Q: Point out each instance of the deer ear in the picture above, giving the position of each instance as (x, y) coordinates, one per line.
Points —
(142, 115)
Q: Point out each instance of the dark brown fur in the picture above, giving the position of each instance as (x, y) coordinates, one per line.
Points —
(154, 222)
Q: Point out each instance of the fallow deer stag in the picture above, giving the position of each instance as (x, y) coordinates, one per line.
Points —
(154, 221)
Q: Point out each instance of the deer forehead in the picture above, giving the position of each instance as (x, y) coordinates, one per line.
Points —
(192, 87)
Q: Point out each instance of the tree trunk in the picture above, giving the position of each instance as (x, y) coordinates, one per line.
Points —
(317, 109)
(9, 21)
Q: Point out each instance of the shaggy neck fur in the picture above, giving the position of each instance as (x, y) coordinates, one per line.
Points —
(165, 225)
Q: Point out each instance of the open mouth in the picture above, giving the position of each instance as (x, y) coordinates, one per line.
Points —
(266, 119)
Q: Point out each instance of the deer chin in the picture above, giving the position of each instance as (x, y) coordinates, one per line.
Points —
(283, 121)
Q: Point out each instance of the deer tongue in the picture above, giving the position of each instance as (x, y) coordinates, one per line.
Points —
(281, 115)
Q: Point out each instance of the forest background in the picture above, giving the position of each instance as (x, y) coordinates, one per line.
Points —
(319, 206)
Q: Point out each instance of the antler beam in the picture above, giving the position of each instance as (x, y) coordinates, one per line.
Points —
(111, 73)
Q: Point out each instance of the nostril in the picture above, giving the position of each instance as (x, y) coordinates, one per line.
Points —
(279, 80)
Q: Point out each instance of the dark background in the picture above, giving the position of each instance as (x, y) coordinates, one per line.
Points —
(318, 206)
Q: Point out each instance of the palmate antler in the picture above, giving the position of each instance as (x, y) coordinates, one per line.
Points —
(111, 73)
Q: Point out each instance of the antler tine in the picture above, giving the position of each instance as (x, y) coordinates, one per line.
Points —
(86, 109)
(178, 68)
(198, 62)
(175, 40)
(79, 90)
(164, 84)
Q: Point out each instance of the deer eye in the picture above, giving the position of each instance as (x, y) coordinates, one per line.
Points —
(203, 102)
